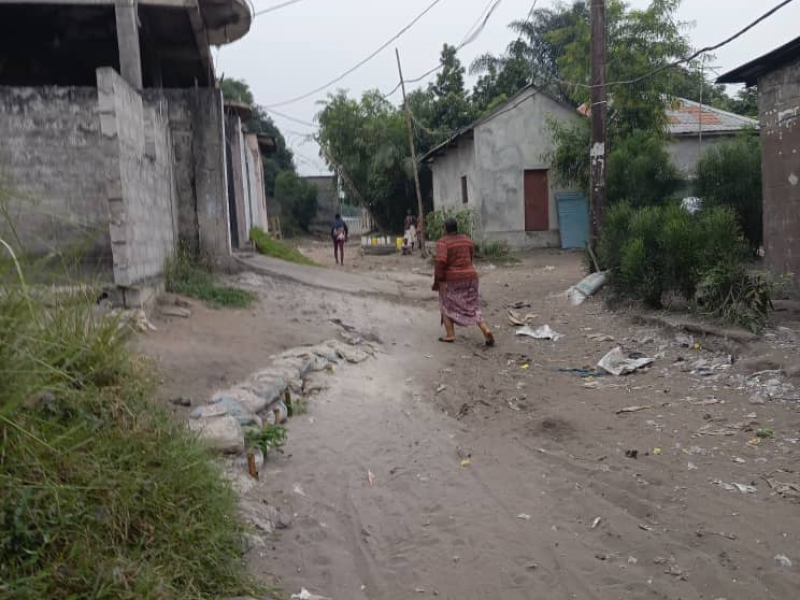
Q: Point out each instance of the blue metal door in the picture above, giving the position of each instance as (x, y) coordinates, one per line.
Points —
(573, 219)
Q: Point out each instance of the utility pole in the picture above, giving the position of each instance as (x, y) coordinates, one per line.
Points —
(421, 220)
(599, 150)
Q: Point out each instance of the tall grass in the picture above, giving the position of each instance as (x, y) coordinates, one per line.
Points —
(103, 495)
(187, 276)
(269, 246)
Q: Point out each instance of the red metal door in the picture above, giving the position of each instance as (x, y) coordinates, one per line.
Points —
(537, 201)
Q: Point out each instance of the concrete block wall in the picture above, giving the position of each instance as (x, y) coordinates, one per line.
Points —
(258, 191)
(53, 157)
(779, 115)
(139, 183)
(197, 126)
(233, 132)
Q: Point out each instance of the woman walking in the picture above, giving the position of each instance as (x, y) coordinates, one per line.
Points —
(456, 280)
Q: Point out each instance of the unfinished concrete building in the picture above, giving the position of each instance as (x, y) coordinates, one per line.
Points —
(777, 75)
(116, 143)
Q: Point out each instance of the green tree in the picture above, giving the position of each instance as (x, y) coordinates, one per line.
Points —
(450, 105)
(500, 77)
(297, 198)
(745, 102)
(367, 138)
(640, 171)
(729, 174)
(236, 89)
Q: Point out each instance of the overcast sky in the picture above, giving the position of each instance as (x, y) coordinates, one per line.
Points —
(293, 50)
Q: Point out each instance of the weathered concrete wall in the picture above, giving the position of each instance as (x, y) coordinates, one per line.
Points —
(685, 152)
(233, 133)
(505, 146)
(448, 170)
(779, 115)
(53, 156)
(198, 138)
(258, 193)
(139, 184)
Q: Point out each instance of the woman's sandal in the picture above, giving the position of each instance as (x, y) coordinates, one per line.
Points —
(447, 340)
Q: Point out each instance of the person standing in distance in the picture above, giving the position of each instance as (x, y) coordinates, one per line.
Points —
(339, 235)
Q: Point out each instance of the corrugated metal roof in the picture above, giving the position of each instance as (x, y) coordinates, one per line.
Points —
(684, 118)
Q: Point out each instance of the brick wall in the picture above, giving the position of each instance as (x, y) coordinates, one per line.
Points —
(53, 156)
(139, 184)
(779, 110)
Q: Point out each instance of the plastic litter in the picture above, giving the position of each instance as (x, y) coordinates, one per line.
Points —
(732, 487)
(586, 287)
(466, 462)
(306, 595)
(632, 409)
(585, 373)
(524, 517)
(783, 561)
(596, 522)
(518, 320)
(600, 337)
(616, 363)
(544, 332)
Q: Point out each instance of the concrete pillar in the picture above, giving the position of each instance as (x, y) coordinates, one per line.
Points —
(130, 55)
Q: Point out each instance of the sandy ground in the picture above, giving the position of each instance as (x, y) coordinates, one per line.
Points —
(547, 504)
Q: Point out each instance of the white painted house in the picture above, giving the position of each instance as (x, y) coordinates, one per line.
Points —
(499, 167)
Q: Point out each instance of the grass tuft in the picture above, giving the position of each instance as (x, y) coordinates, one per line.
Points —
(269, 246)
(104, 495)
(186, 276)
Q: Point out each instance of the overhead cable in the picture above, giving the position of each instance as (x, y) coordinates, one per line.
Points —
(361, 63)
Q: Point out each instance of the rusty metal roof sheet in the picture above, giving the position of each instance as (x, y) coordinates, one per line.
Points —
(686, 117)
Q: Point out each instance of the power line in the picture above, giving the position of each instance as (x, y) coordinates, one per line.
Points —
(264, 11)
(688, 59)
(469, 37)
(289, 117)
(361, 63)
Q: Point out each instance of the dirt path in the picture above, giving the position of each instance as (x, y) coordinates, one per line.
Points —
(549, 505)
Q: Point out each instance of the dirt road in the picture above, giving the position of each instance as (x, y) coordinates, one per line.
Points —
(461, 472)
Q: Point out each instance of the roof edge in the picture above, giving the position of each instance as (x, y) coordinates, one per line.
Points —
(488, 117)
(749, 72)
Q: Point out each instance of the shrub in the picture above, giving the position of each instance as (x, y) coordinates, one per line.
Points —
(658, 249)
(498, 251)
(103, 495)
(729, 174)
(188, 276)
(269, 246)
(640, 171)
(736, 295)
(434, 222)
